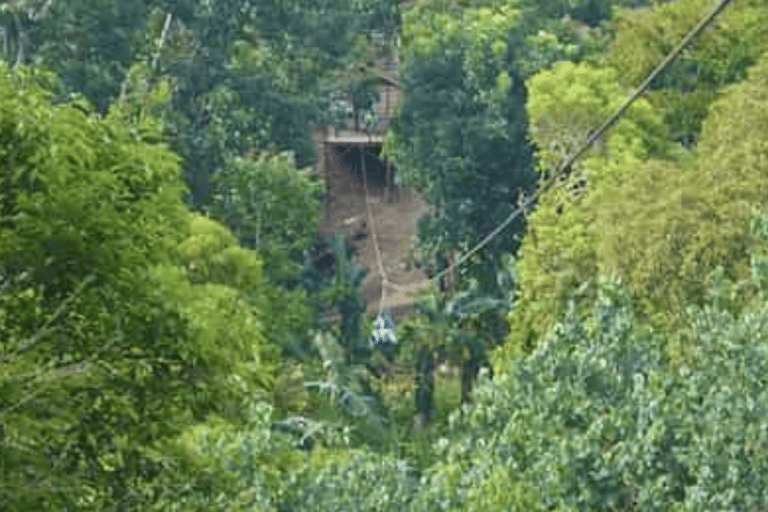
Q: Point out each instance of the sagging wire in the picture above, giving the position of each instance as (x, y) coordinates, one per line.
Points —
(563, 170)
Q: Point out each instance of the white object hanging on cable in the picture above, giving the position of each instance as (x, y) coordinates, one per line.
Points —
(383, 335)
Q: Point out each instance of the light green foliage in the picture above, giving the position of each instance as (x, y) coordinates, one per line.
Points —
(88, 185)
(501, 490)
(252, 468)
(546, 47)
(381, 482)
(143, 101)
(106, 348)
(225, 335)
(687, 219)
(272, 207)
(721, 55)
(595, 419)
(86, 210)
(206, 255)
(568, 101)
(659, 225)
(557, 257)
(565, 242)
(427, 27)
(478, 36)
(219, 466)
(211, 255)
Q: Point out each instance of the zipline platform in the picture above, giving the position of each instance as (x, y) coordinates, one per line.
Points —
(353, 138)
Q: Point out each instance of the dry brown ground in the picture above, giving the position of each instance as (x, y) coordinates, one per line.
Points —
(395, 225)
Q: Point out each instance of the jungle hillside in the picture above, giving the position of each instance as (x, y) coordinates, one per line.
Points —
(181, 329)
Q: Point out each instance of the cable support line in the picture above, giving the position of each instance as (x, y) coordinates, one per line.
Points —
(163, 37)
(372, 221)
(596, 134)
(564, 168)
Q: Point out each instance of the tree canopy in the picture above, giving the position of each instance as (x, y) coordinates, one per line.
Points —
(176, 334)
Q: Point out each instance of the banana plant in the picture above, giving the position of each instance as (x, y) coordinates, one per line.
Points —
(15, 18)
(349, 304)
(469, 322)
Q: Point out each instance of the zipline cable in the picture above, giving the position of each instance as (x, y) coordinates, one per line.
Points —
(564, 168)
(372, 222)
(383, 334)
(163, 37)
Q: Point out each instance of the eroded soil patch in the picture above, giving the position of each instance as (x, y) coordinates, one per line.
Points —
(395, 216)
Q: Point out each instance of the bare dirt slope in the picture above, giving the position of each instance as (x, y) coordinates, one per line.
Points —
(395, 220)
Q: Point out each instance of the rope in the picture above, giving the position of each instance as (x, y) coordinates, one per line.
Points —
(372, 222)
(564, 168)
(163, 37)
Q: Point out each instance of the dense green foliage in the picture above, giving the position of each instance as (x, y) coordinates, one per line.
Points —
(460, 135)
(263, 69)
(660, 227)
(720, 57)
(271, 207)
(104, 336)
(596, 418)
(153, 358)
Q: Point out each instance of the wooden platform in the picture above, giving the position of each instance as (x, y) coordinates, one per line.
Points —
(353, 138)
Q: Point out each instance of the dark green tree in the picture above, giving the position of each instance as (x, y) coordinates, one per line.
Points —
(460, 135)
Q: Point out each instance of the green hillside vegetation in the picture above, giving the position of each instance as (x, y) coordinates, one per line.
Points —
(174, 336)
(120, 308)
(655, 216)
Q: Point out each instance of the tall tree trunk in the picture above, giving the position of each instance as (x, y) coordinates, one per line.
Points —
(425, 386)
(469, 370)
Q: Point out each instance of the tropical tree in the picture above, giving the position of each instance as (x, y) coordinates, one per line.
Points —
(658, 223)
(272, 207)
(459, 136)
(103, 336)
(720, 57)
(596, 418)
(565, 103)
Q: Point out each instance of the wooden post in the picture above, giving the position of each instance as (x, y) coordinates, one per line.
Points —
(385, 127)
(385, 120)
(324, 165)
(363, 169)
